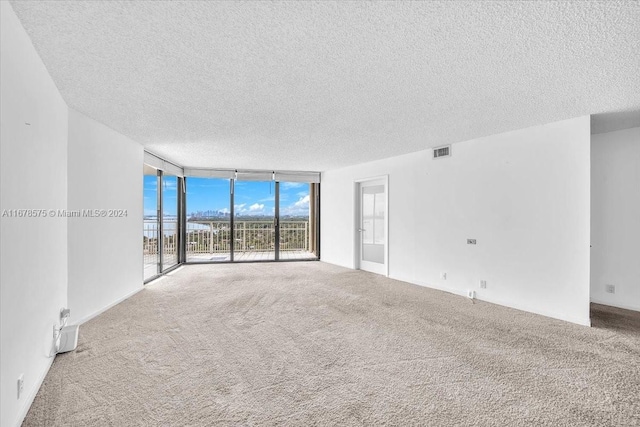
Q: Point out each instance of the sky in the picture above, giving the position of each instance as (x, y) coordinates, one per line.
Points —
(255, 198)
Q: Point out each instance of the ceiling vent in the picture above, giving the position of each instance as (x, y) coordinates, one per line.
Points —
(444, 151)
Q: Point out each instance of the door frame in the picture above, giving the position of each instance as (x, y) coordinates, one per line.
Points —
(357, 209)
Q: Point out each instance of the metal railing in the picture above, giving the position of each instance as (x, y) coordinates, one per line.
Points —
(256, 236)
(170, 243)
(210, 237)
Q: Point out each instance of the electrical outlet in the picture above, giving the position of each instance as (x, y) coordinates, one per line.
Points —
(20, 385)
(483, 284)
(471, 294)
(443, 276)
(610, 289)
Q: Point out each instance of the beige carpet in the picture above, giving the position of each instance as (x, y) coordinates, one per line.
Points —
(314, 344)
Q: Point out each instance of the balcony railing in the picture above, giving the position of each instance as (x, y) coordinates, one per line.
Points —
(211, 237)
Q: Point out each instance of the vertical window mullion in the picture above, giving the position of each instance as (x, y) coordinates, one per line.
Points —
(231, 219)
(160, 223)
(276, 222)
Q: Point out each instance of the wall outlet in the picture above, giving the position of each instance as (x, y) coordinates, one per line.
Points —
(471, 294)
(20, 386)
(443, 276)
(610, 289)
(483, 284)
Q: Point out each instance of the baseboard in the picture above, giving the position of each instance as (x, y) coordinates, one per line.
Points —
(34, 392)
(447, 289)
(350, 267)
(576, 320)
(582, 321)
(102, 310)
(32, 395)
(617, 305)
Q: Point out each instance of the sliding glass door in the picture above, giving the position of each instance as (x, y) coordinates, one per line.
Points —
(150, 231)
(208, 236)
(234, 216)
(169, 204)
(223, 215)
(297, 221)
(254, 221)
(161, 234)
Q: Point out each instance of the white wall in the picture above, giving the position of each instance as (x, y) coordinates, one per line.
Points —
(615, 218)
(60, 160)
(105, 253)
(524, 196)
(34, 250)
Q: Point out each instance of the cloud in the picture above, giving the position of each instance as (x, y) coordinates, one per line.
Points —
(169, 183)
(256, 207)
(304, 201)
(288, 185)
(299, 208)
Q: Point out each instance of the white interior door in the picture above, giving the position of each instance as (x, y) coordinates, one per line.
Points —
(372, 236)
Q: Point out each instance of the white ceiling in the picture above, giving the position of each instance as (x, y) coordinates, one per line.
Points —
(315, 85)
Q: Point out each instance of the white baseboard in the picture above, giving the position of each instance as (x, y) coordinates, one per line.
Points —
(583, 321)
(511, 304)
(102, 310)
(615, 304)
(32, 395)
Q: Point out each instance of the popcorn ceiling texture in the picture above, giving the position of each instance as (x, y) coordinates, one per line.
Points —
(320, 85)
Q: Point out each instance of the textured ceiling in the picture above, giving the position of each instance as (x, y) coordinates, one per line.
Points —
(318, 85)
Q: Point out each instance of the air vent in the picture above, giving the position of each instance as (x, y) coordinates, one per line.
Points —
(442, 152)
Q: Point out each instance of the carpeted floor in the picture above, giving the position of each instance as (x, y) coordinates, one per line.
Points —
(314, 344)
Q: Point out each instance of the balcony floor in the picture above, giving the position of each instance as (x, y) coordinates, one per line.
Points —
(250, 256)
(151, 266)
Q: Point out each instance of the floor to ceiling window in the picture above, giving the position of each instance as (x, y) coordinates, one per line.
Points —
(298, 226)
(208, 208)
(251, 216)
(169, 203)
(162, 235)
(150, 235)
(203, 215)
(254, 221)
